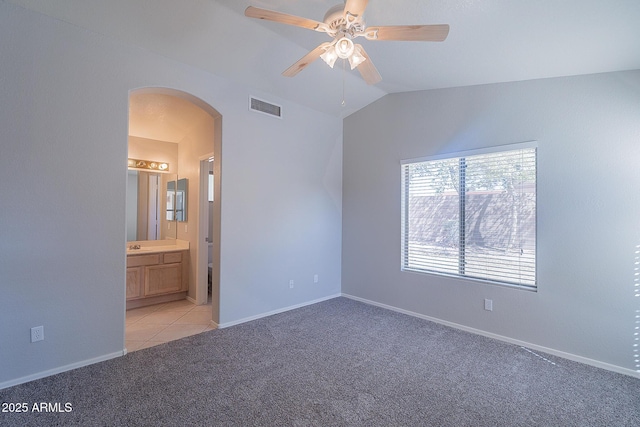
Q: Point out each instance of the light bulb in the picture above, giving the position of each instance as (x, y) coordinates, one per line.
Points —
(344, 48)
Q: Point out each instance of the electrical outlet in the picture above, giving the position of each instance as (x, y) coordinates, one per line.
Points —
(488, 304)
(315, 278)
(37, 333)
(291, 284)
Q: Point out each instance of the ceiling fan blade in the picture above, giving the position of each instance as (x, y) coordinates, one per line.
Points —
(425, 33)
(284, 18)
(368, 71)
(355, 7)
(306, 60)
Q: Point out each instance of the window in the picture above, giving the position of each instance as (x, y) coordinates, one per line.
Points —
(210, 186)
(472, 215)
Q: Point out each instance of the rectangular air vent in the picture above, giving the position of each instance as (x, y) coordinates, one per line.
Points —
(265, 107)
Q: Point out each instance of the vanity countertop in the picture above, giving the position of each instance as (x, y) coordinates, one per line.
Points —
(157, 246)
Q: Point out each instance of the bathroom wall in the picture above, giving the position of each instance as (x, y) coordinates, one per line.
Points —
(151, 149)
(64, 125)
(162, 151)
(184, 162)
(197, 143)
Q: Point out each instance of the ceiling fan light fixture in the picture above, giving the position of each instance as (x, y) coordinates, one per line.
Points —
(357, 57)
(344, 48)
(330, 56)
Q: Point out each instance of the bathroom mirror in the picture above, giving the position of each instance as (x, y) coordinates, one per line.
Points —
(181, 200)
(144, 206)
(177, 200)
(171, 201)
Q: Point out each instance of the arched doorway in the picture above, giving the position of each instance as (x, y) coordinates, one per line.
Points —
(190, 128)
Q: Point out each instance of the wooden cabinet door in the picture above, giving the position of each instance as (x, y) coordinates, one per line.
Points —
(162, 279)
(134, 282)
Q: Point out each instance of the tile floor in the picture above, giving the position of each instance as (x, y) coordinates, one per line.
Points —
(157, 324)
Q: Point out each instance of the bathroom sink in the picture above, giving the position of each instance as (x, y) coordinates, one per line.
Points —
(156, 249)
(133, 251)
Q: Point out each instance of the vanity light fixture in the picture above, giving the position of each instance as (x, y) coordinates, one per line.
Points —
(148, 164)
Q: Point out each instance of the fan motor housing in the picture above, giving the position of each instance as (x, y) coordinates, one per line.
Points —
(334, 14)
(334, 18)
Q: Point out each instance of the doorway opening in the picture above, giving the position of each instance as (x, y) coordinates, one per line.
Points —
(182, 131)
(207, 216)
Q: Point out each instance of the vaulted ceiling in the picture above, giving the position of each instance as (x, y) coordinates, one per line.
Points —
(489, 41)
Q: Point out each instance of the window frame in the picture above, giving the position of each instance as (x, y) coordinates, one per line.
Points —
(461, 155)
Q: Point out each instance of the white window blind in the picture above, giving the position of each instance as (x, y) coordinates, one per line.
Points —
(473, 215)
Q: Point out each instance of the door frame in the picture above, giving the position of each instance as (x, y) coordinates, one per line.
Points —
(202, 282)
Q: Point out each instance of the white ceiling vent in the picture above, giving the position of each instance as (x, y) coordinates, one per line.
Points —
(265, 107)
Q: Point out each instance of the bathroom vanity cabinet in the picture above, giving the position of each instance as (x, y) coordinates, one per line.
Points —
(153, 278)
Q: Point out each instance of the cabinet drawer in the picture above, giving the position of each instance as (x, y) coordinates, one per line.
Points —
(161, 279)
(138, 260)
(172, 257)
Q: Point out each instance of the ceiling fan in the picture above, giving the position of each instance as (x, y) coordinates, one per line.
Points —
(344, 23)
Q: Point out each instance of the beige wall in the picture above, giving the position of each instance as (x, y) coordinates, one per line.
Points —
(151, 149)
(161, 151)
(196, 144)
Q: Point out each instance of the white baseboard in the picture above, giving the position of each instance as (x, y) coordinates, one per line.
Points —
(569, 356)
(271, 313)
(61, 369)
(564, 355)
